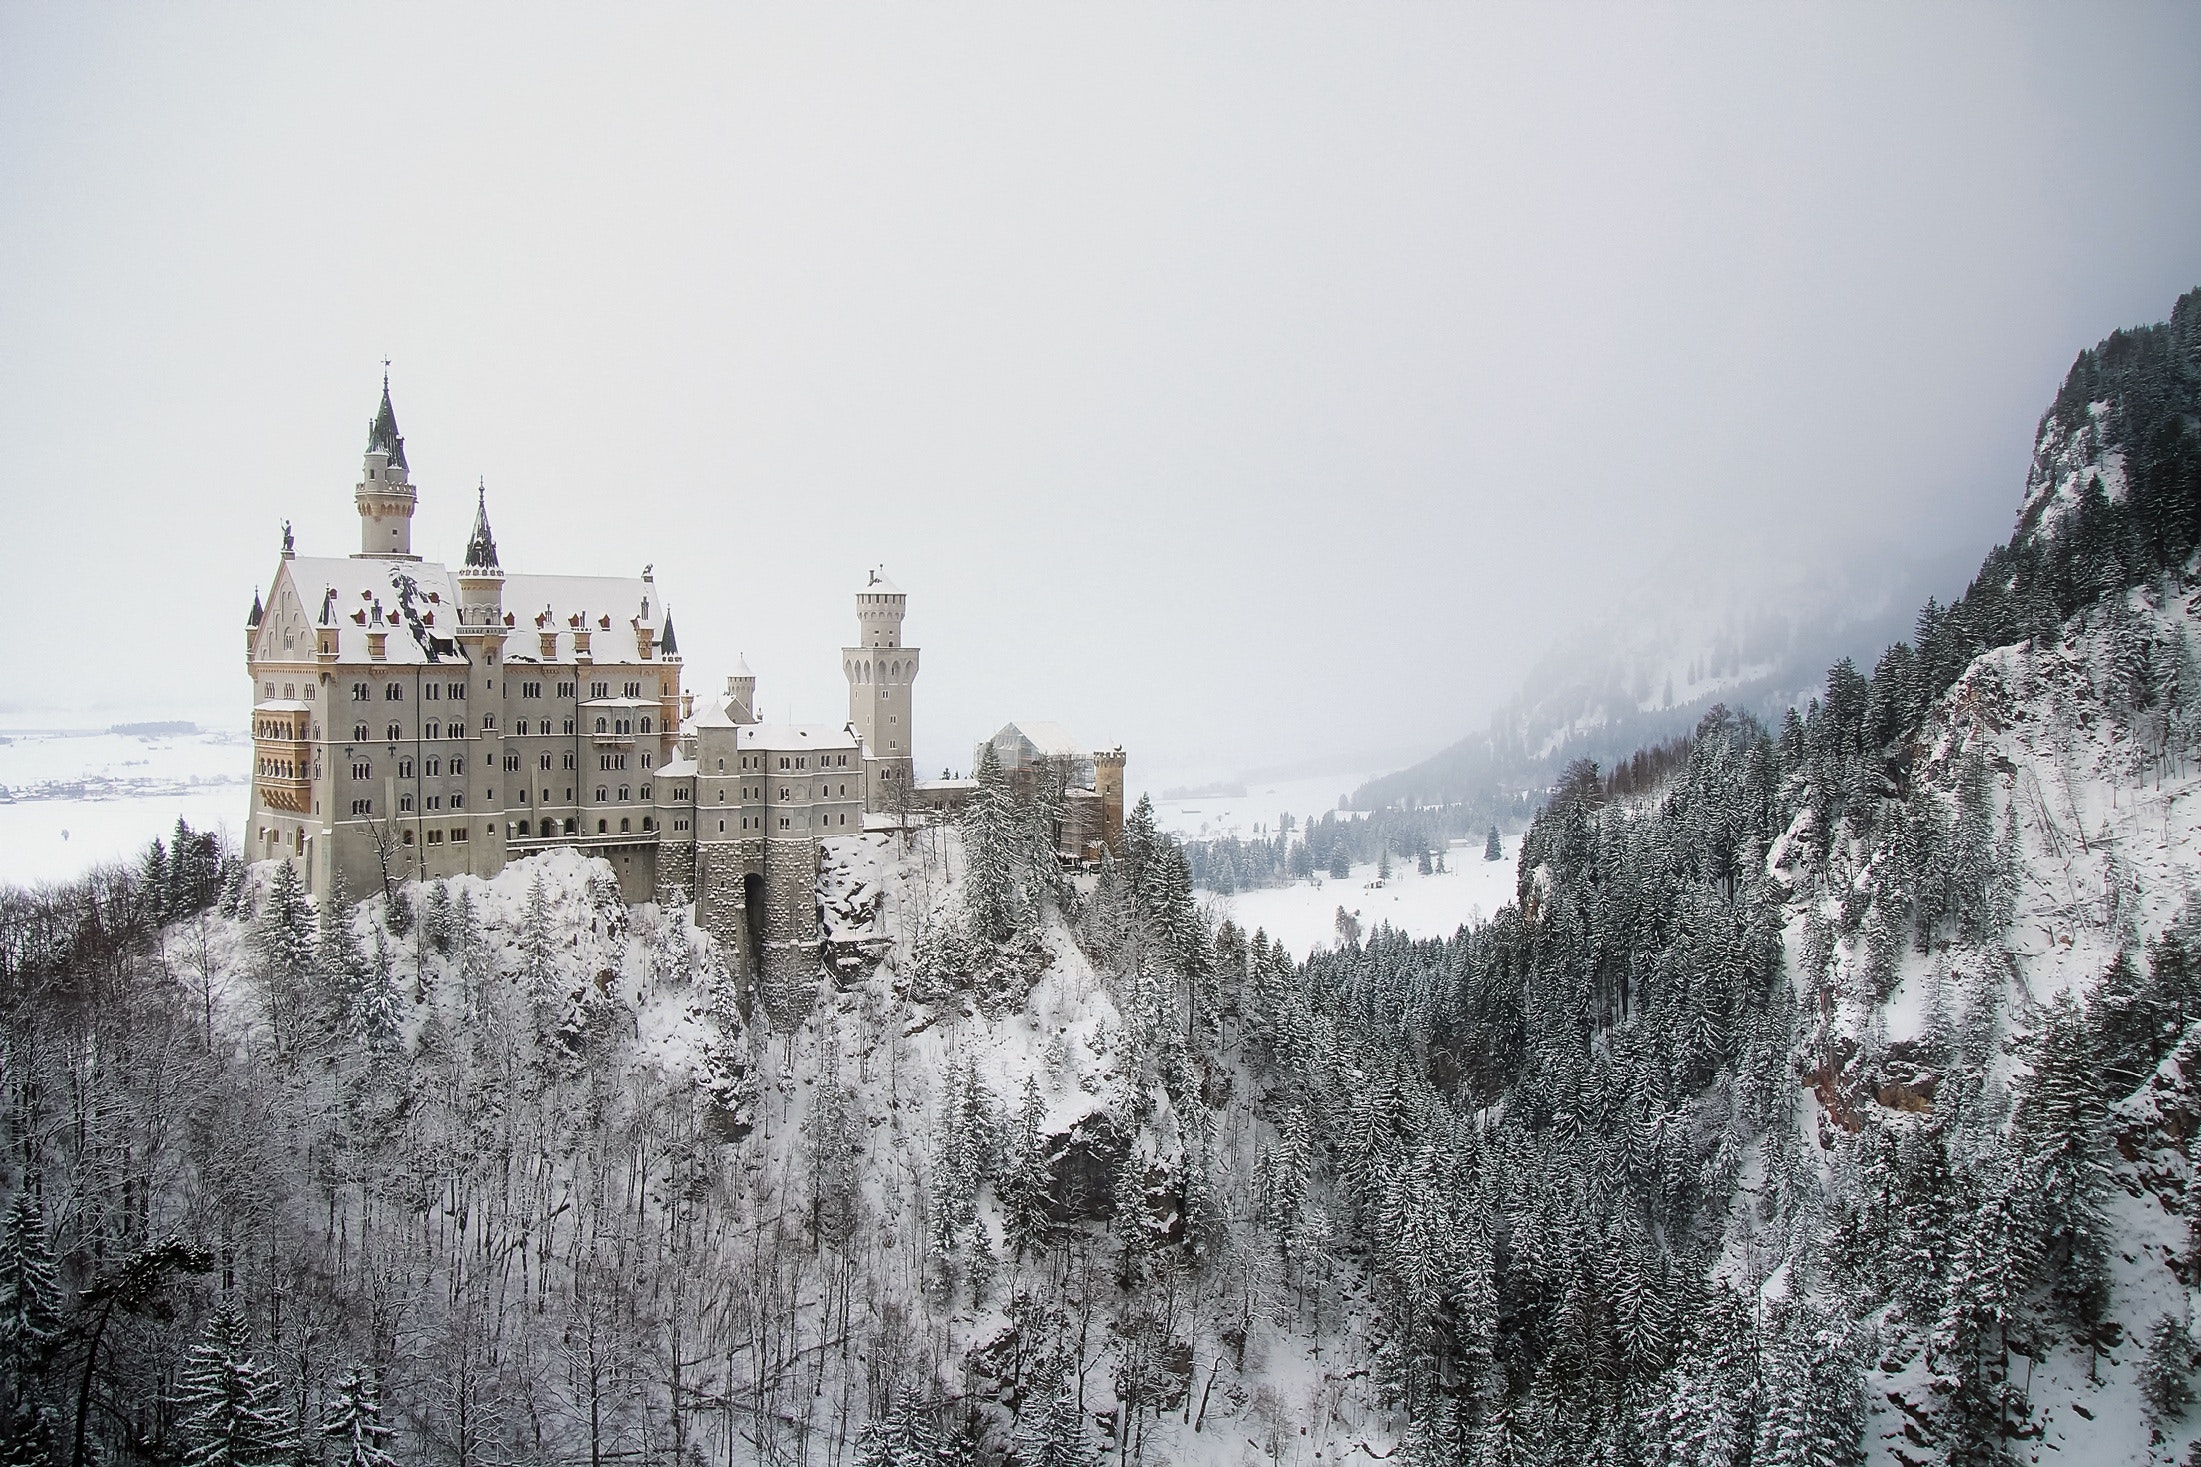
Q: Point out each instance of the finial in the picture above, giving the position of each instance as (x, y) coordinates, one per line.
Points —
(290, 547)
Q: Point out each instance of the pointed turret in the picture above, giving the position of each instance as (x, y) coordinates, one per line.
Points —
(669, 645)
(382, 434)
(257, 610)
(385, 495)
(481, 549)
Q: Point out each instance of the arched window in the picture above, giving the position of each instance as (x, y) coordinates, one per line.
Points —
(645, 725)
(573, 826)
(602, 827)
(600, 725)
(624, 827)
(648, 823)
(396, 733)
(601, 795)
(523, 827)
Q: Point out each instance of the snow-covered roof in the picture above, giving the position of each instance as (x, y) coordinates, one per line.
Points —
(415, 602)
(794, 737)
(945, 786)
(879, 585)
(1047, 740)
(676, 768)
(280, 705)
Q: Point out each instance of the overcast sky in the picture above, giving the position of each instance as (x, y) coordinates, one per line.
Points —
(1248, 384)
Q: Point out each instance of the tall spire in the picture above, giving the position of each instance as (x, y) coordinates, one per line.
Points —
(382, 434)
(481, 550)
(668, 644)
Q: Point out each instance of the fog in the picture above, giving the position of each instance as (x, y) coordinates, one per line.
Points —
(1250, 385)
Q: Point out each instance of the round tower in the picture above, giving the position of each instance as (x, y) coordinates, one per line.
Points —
(385, 494)
(741, 693)
(881, 672)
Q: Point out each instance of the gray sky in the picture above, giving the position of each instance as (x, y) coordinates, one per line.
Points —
(1245, 383)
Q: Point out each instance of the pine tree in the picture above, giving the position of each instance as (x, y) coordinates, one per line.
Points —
(30, 1294)
(2166, 1372)
(1057, 1436)
(902, 1436)
(1023, 1189)
(355, 1424)
(229, 1406)
(1493, 848)
(994, 855)
(538, 942)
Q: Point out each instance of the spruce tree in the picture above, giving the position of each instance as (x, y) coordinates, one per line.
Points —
(229, 1406)
(355, 1426)
(1056, 1437)
(1493, 848)
(30, 1295)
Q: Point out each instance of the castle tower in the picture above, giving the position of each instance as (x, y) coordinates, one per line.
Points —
(385, 495)
(1108, 784)
(480, 578)
(880, 672)
(741, 693)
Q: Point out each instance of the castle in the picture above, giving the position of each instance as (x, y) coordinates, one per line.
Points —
(412, 720)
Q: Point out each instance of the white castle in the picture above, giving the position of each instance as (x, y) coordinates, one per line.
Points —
(412, 721)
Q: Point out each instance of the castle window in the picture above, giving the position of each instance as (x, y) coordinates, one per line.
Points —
(458, 801)
(458, 690)
(434, 767)
(568, 726)
(362, 807)
(625, 793)
(599, 690)
(458, 832)
(435, 837)
(568, 762)
(394, 693)
(645, 761)
(601, 795)
(395, 733)
(511, 763)
(645, 792)
(359, 733)
(722, 766)
(362, 771)
(648, 823)
(645, 725)
(432, 802)
(458, 766)
(309, 692)
(428, 691)
(290, 690)
(721, 827)
(600, 728)
(624, 827)
(405, 804)
(270, 690)
(359, 692)
(408, 837)
(523, 827)
(602, 827)
(783, 822)
(545, 761)
(434, 730)
(565, 690)
(634, 690)
(520, 728)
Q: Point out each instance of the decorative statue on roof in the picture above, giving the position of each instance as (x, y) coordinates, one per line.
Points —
(289, 547)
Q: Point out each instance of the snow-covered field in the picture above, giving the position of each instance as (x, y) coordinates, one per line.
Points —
(1255, 811)
(74, 799)
(1303, 916)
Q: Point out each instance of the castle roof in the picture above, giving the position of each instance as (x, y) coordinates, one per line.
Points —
(416, 602)
(382, 434)
(1046, 740)
(667, 646)
(879, 585)
(794, 738)
(257, 610)
(481, 547)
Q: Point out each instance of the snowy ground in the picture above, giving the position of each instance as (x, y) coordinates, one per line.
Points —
(74, 799)
(1303, 916)
(1256, 811)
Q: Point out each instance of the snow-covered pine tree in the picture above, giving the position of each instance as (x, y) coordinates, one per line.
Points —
(2166, 1371)
(1057, 1436)
(538, 973)
(30, 1295)
(995, 855)
(230, 1407)
(354, 1424)
(1493, 848)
